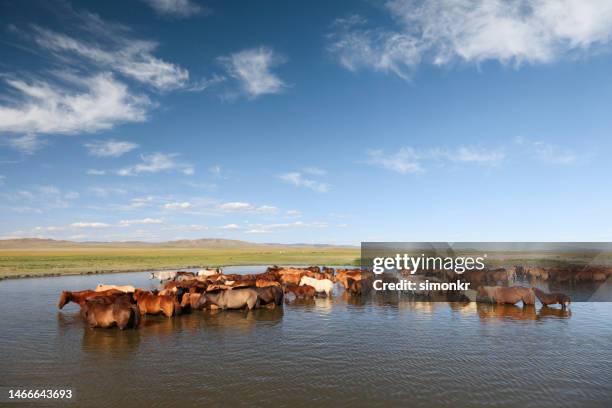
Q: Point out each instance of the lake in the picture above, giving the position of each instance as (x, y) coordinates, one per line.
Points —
(377, 351)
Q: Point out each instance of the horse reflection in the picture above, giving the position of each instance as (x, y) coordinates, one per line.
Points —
(554, 312)
(304, 302)
(240, 320)
(355, 301)
(110, 341)
(505, 311)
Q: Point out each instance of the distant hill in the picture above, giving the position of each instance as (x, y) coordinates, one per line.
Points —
(33, 243)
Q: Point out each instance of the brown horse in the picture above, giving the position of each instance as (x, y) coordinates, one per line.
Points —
(506, 294)
(81, 296)
(304, 291)
(552, 298)
(263, 283)
(270, 295)
(108, 311)
(149, 303)
(190, 300)
(291, 278)
(358, 287)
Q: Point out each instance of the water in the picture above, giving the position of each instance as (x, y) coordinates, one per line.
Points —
(329, 352)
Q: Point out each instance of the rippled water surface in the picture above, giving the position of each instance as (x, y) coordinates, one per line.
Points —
(342, 351)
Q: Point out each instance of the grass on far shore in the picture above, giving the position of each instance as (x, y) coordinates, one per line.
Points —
(17, 263)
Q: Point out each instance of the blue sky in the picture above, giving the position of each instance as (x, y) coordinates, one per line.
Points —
(317, 122)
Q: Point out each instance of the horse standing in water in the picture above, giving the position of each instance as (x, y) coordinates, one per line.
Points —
(108, 311)
(150, 303)
(230, 299)
(552, 298)
(81, 296)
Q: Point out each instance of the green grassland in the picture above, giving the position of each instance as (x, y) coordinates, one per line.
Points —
(16, 263)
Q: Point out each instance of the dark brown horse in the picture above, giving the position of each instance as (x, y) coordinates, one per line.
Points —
(358, 287)
(304, 291)
(270, 295)
(552, 298)
(109, 311)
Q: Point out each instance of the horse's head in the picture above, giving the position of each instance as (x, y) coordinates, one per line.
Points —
(138, 293)
(65, 297)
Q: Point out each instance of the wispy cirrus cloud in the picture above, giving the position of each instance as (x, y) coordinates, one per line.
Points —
(26, 144)
(442, 32)
(37, 199)
(175, 8)
(109, 148)
(547, 152)
(410, 160)
(252, 68)
(112, 48)
(157, 162)
(298, 180)
(107, 191)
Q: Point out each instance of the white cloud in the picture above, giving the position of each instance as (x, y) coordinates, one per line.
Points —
(113, 50)
(238, 206)
(293, 213)
(230, 227)
(178, 206)
(39, 198)
(186, 228)
(144, 221)
(27, 144)
(216, 169)
(409, 160)
(109, 148)
(441, 32)
(298, 180)
(141, 202)
(49, 229)
(269, 228)
(89, 225)
(107, 191)
(102, 103)
(252, 68)
(546, 152)
(268, 209)
(175, 8)
(155, 163)
(405, 160)
(95, 172)
(315, 171)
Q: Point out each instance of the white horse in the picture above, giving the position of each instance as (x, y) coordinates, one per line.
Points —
(320, 285)
(163, 275)
(209, 271)
(125, 288)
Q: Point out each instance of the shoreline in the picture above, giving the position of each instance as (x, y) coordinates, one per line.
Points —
(113, 271)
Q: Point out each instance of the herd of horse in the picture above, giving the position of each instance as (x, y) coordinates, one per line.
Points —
(180, 291)
(122, 306)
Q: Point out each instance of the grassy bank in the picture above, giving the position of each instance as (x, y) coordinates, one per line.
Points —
(15, 263)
